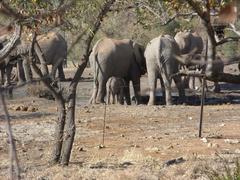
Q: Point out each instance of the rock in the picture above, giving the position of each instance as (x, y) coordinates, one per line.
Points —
(204, 140)
(18, 108)
(222, 125)
(237, 151)
(215, 145)
(32, 109)
(122, 135)
(231, 141)
(24, 108)
(135, 146)
(170, 147)
(80, 149)
(87, 111)
(210, 145)
(101, 146)
(153, 149)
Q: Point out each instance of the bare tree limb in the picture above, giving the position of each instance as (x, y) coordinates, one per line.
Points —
(227, 39)
(13, 151)
(7, 10)
(12, 42)
(234, 29)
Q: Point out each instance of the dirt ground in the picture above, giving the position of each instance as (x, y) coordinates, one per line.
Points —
(139, 140)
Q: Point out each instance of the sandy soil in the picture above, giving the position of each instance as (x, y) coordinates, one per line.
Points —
(139, 140)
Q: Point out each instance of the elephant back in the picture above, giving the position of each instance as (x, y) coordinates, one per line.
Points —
(168, 45)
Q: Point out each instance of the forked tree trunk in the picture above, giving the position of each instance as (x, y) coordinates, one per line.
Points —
(47, 81)
(70, 121)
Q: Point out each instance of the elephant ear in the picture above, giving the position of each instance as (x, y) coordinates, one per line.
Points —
(139, 57)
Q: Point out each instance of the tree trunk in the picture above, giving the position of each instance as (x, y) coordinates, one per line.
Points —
(70, 123)
(58, 98)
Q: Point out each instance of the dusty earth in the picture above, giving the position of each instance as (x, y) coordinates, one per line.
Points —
(139, 141)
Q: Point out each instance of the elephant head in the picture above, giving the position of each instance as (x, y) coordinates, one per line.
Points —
(139, 57)
(189, 41)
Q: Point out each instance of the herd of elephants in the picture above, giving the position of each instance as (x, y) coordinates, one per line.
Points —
(114, 63)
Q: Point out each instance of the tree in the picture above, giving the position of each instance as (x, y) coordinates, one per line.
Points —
(38, 16)
(167, 11)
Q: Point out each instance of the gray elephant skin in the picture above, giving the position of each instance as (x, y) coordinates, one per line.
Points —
(115, 90)
(192, 43)
(161, 63)
(54, 50)
(189, 42)
(120, 58)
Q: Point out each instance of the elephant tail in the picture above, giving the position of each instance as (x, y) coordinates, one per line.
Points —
(95, 69)
(160, 57)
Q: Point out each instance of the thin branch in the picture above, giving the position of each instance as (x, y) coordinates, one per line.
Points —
(227, 39)
(7, 10)
(13, 151)
(234, 29)
(177, 15)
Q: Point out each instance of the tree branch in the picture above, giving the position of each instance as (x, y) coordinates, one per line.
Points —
(7, 48)
(228, 39)
(13, 151)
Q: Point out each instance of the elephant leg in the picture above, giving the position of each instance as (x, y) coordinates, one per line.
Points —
(94, 94)
(20, 72)
(136, 89)
(26, 68)
(167, 85)
(61, 74)
(121, 96)
(163, 87)
(8, 74)
(108, 96)
(101, 92)
(114, 98)
(127, 93)
(186, 81)
(216, 87)
(53, 72)
(152, 81)
(2, 74)
(180, 87)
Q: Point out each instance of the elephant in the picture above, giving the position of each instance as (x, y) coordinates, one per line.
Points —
(54, 50)
(120, 58)
(189, 42)
(192, 43)
(115, 90)
(161, 63)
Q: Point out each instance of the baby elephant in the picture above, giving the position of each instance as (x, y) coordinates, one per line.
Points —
(115, 90)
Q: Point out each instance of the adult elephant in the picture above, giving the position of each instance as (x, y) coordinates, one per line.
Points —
(54, 49)
(161, 63)
(192, 43)
(189, 42)
(120, 58)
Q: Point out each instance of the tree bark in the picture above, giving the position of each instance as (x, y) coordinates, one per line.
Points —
(47, 81)
(70, 121)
